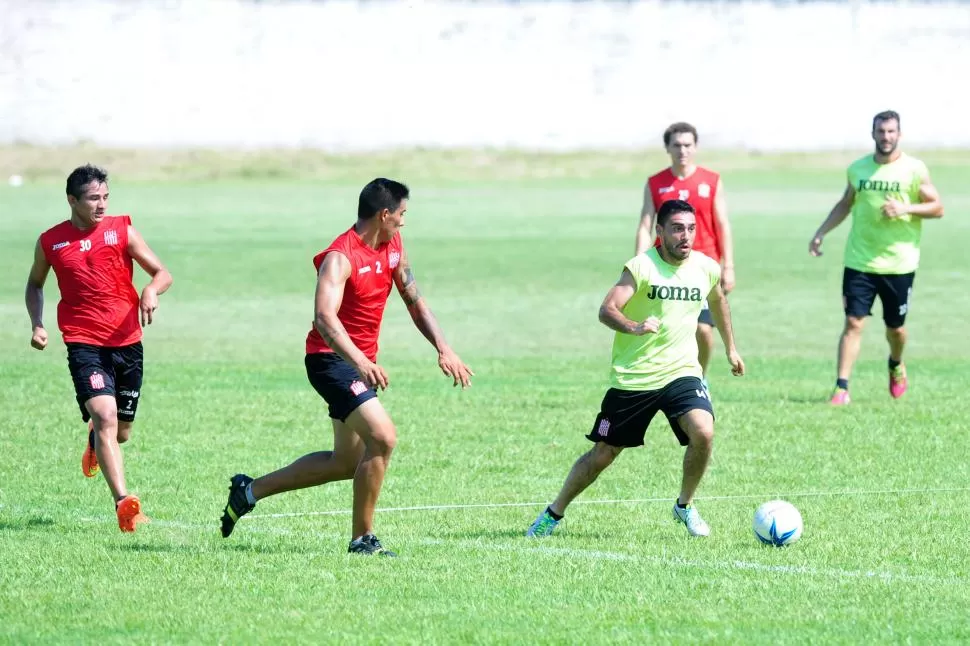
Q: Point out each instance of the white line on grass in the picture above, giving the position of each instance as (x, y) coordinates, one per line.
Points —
(623, 501)
(536, 546)
(678, 561)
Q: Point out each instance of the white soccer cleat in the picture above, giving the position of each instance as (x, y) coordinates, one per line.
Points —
(690, 517)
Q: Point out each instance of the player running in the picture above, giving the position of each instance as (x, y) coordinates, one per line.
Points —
(703, 190)
(889, 194)
(653, 309)
(354, 276)
(98, 316)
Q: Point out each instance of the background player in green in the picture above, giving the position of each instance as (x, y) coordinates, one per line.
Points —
(889, 193)
(653, 308)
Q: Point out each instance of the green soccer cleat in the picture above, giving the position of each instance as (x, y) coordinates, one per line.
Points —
(543, 525)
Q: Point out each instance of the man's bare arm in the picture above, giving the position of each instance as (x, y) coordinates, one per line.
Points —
(161, 278)
(838, 213)
(424, 319)
(139, 250)
(331, 280)
(611, 311)
(721, 313)
(725, 237)
(34, 293)
(418, 308)
(646, 231)
(930, 205)
(34, 297)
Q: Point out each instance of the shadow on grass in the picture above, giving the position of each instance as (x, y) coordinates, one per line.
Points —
(26, 524)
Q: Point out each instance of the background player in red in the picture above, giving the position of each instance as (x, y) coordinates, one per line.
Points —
(98, 316)
(354, 277)
(704, 190)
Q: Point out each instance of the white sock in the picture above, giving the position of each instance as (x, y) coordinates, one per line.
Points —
(249, 494)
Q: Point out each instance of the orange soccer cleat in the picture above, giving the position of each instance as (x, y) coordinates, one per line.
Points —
(129, 513)
(89, 460)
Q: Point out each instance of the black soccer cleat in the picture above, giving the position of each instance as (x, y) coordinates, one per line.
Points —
(368, 545)
(238, 506)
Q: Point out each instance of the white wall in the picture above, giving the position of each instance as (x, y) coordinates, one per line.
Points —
(351, 75)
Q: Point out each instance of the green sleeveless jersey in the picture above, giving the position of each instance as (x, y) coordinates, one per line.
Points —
(675, 295)
(877, 244)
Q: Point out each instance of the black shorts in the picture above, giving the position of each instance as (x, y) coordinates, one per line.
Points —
(705, 315)
(626, 414)
(859, 290)
(97, 370)
(337, 382)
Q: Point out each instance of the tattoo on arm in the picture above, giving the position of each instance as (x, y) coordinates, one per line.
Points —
(409, 288)
(329, 333)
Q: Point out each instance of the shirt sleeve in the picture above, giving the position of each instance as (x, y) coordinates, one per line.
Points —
(640, 270)
(715, 272)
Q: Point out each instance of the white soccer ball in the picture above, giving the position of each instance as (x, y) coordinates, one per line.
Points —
(777, 523)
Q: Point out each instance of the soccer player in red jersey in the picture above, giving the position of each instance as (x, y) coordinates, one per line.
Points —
(354, 278)
(703, 190)
(98, 316)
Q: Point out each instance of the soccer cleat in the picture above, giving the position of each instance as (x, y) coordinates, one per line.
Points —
(238, 505)
(692, 519)
(543, 525)
(89, 459)
(368, 545)
(897, 381)
(840, 397)
(129, 513)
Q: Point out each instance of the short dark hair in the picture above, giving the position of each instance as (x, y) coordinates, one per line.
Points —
(885, 115)
(678, 128)
(380, 194)
(82, 176)
(670, 208)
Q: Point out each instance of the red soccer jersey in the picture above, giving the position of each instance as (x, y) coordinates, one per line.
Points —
(365, 293)
(99, 304)
(699, 190)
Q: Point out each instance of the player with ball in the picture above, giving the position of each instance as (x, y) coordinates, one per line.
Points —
(653, 309)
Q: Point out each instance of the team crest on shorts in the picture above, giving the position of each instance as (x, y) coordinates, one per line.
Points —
(393, 259)
(358, 388)
(604, 427)
(97, 381)
(703, 190)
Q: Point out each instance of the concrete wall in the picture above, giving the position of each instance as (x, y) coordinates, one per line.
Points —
(554, 75)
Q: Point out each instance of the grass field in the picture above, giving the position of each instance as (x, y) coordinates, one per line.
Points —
(514, 256)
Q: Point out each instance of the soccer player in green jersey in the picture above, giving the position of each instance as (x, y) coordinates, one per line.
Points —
(889, 194)
(653, 308)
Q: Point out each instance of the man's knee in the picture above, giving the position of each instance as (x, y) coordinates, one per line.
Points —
(124, 432)
(854, 324)
(104, 416)
(698, 426)
(603, 454)
(898, 332)
(382, 439)
(374, 426)
(348, 458)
